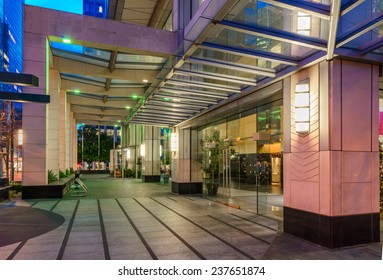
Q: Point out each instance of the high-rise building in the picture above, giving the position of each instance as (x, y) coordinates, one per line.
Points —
(95, 8)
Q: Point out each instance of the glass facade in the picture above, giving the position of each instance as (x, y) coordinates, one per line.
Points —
(242, 156)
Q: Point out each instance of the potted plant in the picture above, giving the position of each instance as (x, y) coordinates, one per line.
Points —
(212, 147)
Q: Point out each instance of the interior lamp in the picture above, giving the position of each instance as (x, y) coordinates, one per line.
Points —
(302, 107)
(173, 142)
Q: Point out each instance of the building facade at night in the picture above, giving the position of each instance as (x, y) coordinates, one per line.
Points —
(275, 100)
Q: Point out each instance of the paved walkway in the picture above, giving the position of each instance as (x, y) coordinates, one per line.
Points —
(125, 219)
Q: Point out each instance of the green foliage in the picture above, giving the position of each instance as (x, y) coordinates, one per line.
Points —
(71, 171)
(62, 174)
(91, 144)
(67, 172)
(128, 173)
(16, 186)
(51, 177)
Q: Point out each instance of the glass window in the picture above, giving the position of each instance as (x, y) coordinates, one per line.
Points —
(232, 38)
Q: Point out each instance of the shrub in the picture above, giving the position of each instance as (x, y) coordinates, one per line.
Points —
(51, 177)
(62, 174)
(67, 172)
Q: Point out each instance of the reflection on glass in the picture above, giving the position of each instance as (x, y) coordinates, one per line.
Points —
(240, 59)
(258, 13)
(232, 38)
(101, 54)
(255, 162)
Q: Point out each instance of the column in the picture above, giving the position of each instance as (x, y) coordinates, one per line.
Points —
(53, 120)
(62, 131)
(186, 171)
(331, 173)
(34, 114)
(151, 156)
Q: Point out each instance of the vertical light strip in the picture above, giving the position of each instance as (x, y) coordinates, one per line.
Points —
(302, 107)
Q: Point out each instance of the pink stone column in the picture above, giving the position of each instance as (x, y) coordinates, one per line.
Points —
(34, 115)
(331, 174)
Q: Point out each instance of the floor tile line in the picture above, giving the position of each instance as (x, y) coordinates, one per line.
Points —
(54, 206)
(246, 219)
(148, 248)
(103, 232)
(171, 199)
(17, 249)
(195, 251)
(207, 231)
(21, 245)
(241, 230)
(66, 237)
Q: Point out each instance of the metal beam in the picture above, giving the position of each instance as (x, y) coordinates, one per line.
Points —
(196, 100)
(177, 104)
(112, 61)
(220, 77)
(334, 18)
(232, 66)
(19, 79)
(24, 97)
(194, 83)
(313, 9)
(371, 46)
(193, 92)
(350, 5)
(359, 30)
(279, 35)
(274, 57)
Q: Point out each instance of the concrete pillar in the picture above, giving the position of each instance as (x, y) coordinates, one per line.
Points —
(53, 120)
(151, 159)
(62, 131)
(34, 115)
(186, 171)
(331, 174)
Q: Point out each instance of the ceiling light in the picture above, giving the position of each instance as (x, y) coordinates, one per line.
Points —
(145, 80)
(67, 40)
(134, 96)
(76, 91)
(127, 107)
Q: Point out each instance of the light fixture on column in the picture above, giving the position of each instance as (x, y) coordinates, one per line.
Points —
(173, 142)
(128, 154)
(302, 107)
(142, 150)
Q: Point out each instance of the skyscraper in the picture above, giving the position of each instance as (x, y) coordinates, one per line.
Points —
(95, 8)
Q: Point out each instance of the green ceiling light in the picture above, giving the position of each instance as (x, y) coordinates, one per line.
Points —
(127, 107)
(119, 121)
(77, 91)
(166, 99)
(67, 40)
(134, 96)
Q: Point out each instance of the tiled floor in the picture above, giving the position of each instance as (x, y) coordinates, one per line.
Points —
(124, 219)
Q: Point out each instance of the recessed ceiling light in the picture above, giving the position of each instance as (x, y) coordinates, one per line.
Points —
(67, 40)
(145, 80)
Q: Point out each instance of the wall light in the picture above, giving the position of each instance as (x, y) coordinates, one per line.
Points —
(128, 153)
(142, 150)
(20, 137)
(173, 142)
(302, 107)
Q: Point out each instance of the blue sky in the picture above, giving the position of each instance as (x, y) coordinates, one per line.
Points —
(73, 6)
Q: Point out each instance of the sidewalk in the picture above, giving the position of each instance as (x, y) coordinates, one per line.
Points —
(126, 219)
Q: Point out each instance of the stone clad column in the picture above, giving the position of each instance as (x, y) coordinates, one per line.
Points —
(34, 114)
(151, 160)
(186, 174)
(53, 127)
(331, 174)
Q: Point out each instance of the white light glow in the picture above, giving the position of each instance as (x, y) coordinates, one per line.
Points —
(128, 153)
(142, 150)
(20, 137)
(173, 142)
(302, 107)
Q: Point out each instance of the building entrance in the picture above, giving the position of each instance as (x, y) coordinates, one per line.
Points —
(241, 159)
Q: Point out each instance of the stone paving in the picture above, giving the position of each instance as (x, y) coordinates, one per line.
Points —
(128, 220)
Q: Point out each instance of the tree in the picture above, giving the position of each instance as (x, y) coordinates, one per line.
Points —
(90, 152)
(8, 119)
